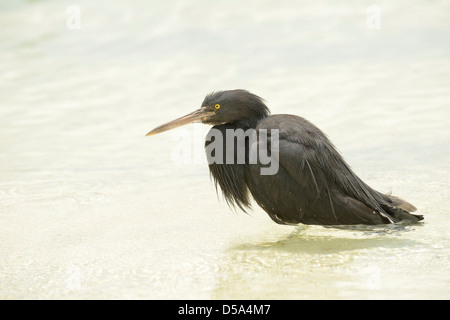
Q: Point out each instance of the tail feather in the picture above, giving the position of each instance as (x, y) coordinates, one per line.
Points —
(402, 204)
(400, 209)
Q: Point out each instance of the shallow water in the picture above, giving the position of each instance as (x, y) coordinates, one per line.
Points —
(90, 208)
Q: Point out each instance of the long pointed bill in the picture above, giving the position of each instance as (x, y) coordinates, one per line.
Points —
(197, 115)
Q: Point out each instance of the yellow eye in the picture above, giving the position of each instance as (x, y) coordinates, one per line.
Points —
(217, 106)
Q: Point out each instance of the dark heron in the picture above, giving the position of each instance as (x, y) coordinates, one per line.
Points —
(312, 185)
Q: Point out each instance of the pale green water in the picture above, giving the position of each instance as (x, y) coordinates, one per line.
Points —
(90, 208)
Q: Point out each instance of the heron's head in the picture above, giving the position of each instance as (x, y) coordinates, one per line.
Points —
(231, 106)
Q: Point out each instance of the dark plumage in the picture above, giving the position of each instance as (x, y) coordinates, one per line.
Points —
(313, 185)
